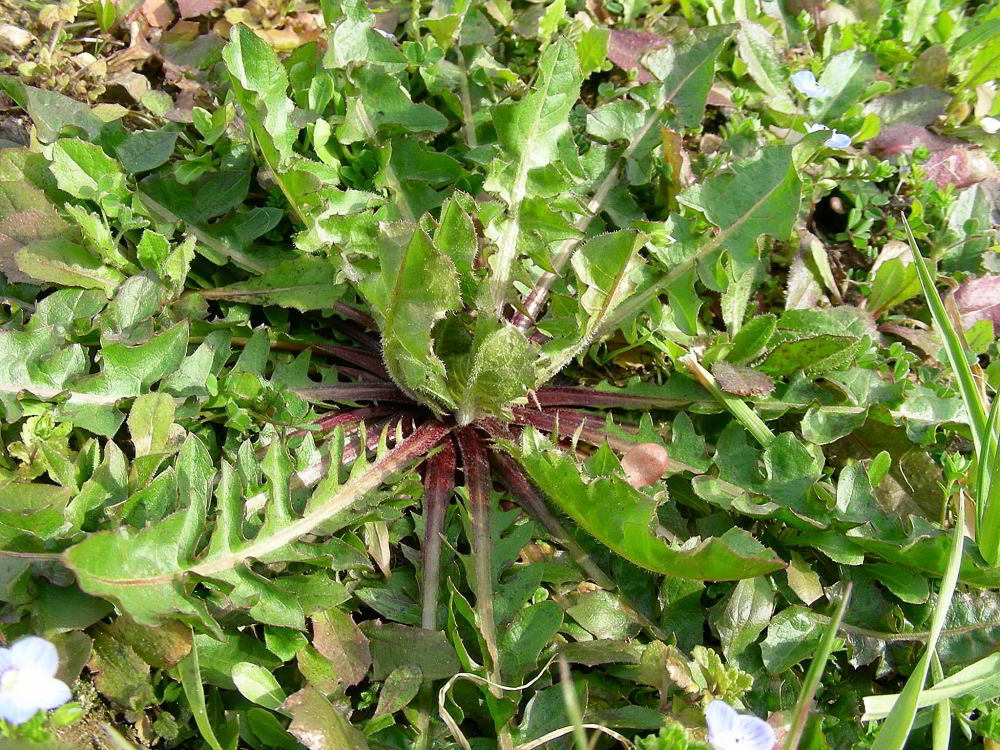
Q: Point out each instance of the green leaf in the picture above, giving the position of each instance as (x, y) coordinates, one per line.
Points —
(417, 286)
(896, 729)
(84, 171)
(603, 266)
(752, 339)
(26, 213)
(255, 68)
(394, 646)
(847, 76)
(257, 684)
(339, 640)
(743, 614)
(52, 111)
(623, 519)
(143, 150)
(918, 19)
(302, 284)
(792, 635)
(382, 104)
(687, 71)
(502, 368)
(144, 570)
(149, 423)
(189, 672)
(60, 261)
(318, 725)
(523, 639)
(401, 687)
(758, 196)
(532, 133)
(355, 40)
(758, 50)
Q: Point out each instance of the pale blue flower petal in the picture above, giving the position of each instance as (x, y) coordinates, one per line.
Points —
(6, 660)
(990, 124)
(838, 140)
(720, 717)
(728, 730)
(48, 692)
(14, 709)
(754, 733)
(35, 655)
(806, 83)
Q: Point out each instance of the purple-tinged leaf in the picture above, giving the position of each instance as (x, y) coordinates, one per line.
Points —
(627, 48)
(439, 482)
(476, 470)
(353, 392)
(979, 299)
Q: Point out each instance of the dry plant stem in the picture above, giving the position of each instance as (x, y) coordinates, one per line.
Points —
(439, 482)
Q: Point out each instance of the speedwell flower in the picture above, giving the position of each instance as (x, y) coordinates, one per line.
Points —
(806, 83)
(728, 730)
(28, 681)
(836, 139)
(990, 124)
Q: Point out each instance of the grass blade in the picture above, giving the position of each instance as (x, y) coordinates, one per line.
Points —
(952, 344)
(988, 492)
(896, 729)
(814, 675)
(189, 672)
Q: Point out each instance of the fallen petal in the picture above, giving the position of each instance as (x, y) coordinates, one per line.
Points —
(644, 464)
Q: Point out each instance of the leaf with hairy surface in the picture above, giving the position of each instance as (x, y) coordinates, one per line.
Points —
(417, 286)
(623, 519)
(146, 570)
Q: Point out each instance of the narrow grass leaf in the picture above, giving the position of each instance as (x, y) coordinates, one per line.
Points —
(896, 729)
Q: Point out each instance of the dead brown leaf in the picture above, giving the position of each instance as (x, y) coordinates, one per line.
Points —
(742, 381)
(193, 8)
(158, 13)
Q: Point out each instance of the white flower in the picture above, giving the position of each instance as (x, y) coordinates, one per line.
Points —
(728, 730)
(990, 124)
(805, 82)
(27, 680)
(836, 139)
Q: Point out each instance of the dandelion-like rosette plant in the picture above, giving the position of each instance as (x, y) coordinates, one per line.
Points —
(28, 682)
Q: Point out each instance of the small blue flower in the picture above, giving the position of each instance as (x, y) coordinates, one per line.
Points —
(836, 139)
(728, 730)
(806, 83)
(27, 680)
